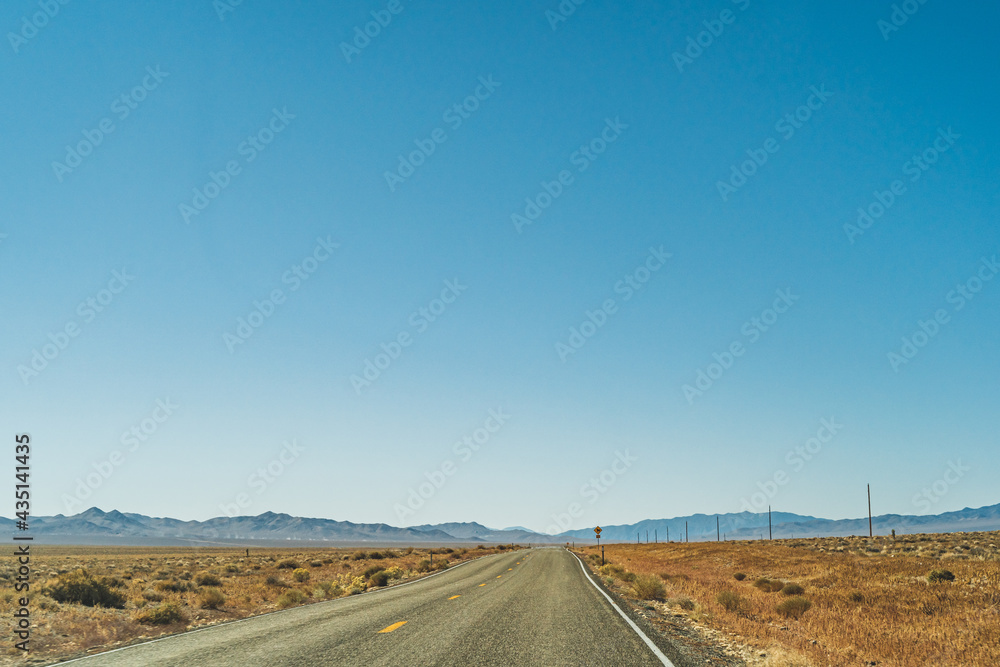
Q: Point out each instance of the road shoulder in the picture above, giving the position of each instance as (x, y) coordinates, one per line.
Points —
(683, 642)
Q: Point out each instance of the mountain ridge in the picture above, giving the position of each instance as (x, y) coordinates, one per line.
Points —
(114, 527)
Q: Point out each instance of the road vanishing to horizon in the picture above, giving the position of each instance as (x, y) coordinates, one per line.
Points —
(305, 302)
(526, 608)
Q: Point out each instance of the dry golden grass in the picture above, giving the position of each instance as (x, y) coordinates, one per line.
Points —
(154, 577)
(871, 601)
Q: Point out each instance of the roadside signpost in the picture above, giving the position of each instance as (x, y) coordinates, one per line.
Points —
(597, 531)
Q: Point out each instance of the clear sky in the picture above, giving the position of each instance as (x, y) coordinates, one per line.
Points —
(177, 164)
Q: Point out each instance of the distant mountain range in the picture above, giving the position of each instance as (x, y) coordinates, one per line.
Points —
(95, 526)
(748, 526)
(270, 529)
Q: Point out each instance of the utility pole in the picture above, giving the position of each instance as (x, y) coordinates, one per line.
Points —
(770, 535)
(718, 535)
(637, 538)
(647, 537)
(870, 535)
(656, 540)
(668, 534)
(686, 538)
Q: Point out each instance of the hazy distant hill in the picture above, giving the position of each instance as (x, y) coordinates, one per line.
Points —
(476, 531)
(746, 525)
(95, 526)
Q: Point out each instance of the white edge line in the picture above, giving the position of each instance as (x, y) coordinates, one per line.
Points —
(649, 642)
(250, 618)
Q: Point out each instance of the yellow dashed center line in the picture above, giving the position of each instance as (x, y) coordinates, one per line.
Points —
(482, 584)
(394, 626)
(499, 575)
(454, 596)
(509, 569)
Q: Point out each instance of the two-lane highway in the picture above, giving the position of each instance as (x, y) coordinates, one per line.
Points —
(534, 607)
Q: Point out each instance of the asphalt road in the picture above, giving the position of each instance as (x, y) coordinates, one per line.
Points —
(532, 607)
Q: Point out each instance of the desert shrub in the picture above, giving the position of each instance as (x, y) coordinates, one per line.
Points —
(152, 596)
(617, 571)
(113, 582)
(730, 601)
(291, 597)
(316, 563)
(423, 566)
(164, 614)
(441, 565)
(380, 578)
(856, 596)
(288, 564)
(325, 589)
(792, 589)
(232, 569)
(82, 588)
(409, 550)
(739, 576)
(395, 572)
(211, 598)
(207, 579)
(186, 576)
(371, 570)
(768, 586)
(359, 555)
(648, 587)
(937, 576)
(376, 555)
(327, 561)
(172, 586)
(684, 603)
(794, 607)
(666, 576)
(300, 574)
(275, 580)
(46, 603)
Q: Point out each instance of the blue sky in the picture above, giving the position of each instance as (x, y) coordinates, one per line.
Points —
(207, 89)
